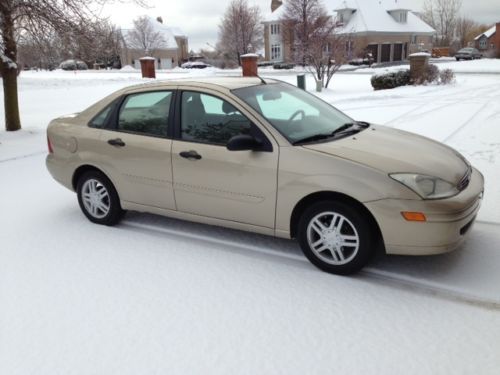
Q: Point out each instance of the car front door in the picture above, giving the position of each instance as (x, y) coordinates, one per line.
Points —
(210, 180)
(136, 151)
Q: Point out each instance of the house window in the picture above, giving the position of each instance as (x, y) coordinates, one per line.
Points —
(413, 39)
(402, 17)
(275, 52)
(483, 43)
(275, 29)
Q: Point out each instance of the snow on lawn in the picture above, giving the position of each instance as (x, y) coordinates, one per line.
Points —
(155, 295)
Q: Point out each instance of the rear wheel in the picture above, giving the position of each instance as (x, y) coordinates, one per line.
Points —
(335, 237)
(98, 199)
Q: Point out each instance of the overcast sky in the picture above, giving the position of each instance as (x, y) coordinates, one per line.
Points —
(199, 19)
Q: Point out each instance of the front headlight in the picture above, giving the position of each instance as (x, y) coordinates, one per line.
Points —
(427, 187)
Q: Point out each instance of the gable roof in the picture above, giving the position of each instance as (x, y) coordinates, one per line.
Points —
(488, 33)
(370, 16)
(168, 33)
(373, 16)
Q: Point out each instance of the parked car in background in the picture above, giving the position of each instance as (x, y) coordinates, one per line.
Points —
(73, 65)
(195, 65)
(266, 157)
(468, 53)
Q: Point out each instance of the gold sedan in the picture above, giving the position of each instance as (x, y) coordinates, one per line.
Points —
(266, 157)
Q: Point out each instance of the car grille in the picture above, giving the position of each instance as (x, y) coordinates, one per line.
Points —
(465, 180)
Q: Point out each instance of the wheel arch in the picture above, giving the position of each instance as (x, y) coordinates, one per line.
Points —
(83, 169)
(336, 197)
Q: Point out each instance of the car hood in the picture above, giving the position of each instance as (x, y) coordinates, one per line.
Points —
(393, 151)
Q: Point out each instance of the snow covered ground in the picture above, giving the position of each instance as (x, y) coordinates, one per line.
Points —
(156, 295)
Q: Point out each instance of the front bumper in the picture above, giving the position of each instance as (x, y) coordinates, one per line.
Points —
(448, 221)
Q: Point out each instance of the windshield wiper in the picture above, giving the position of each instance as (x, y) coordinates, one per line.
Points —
(312, 138)
(342, 130)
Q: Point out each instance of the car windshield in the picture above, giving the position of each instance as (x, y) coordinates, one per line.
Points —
(296, 114)
(466, 50)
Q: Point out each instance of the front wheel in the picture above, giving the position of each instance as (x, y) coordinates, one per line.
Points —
(98, 199)
(335, 237)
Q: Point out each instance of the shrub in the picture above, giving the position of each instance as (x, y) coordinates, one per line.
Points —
(391, 80)
(430, 74)
(446, 77)
(73, 65)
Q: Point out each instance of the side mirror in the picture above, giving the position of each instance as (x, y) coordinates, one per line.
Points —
(243, 142)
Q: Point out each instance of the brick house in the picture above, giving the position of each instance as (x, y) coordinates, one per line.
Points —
(488, 43)
(386, 28)
(172, 55)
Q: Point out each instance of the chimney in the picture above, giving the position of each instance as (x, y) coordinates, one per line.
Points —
(159, 19)
(275, 4)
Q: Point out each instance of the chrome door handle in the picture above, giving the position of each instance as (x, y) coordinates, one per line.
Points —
(190, 155)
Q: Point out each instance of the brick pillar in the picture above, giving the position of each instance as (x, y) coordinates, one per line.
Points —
(418, 62)
(497, 39)
(148, 67)
(249, 64)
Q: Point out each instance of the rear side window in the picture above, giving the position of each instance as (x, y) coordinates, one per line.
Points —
(101, 119)
(145, 113)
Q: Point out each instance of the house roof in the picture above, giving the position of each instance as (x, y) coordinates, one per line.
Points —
(488, 33)
(370, 16)
(373, 16)
(169, 33)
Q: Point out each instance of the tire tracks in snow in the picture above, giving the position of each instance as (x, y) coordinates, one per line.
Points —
(389, 278)
(38, 153)
(455, 99)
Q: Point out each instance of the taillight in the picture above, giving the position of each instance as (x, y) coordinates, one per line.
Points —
(51, 150)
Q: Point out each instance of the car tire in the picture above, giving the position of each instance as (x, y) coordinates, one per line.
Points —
(98, 199)
(457, 59)
(336, 237)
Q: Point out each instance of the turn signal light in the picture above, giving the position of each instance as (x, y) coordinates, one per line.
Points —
(414, 216)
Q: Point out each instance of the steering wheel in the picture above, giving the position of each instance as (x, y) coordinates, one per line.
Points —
(296, 113)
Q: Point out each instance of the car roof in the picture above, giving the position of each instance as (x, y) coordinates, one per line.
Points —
(228, 83)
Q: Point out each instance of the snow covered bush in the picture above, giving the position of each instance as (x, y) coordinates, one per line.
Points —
(73, 65)
(391, 80)
(446, 77)
(431, 74)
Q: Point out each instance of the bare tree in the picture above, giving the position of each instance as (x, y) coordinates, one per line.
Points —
(145, 37)
(442, 15)
(240, 31)
(328, 51)
(31, 18)
(467, 30)
(305, 21)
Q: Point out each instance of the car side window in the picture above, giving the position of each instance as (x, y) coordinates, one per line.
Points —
(209, 119)
(100, 120)
(145, 113)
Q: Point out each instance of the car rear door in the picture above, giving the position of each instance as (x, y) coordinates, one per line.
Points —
(209, 180)
(136, 149)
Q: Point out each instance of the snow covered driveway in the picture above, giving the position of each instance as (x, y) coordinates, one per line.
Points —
(156, 295)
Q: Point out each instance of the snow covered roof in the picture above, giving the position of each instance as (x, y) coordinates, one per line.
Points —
(373, 16)
(370, 16)
(274, 16)
(169, 33)
(488, 33)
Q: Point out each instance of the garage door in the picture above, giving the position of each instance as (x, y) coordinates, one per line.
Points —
(398, 52)
(386, 53)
